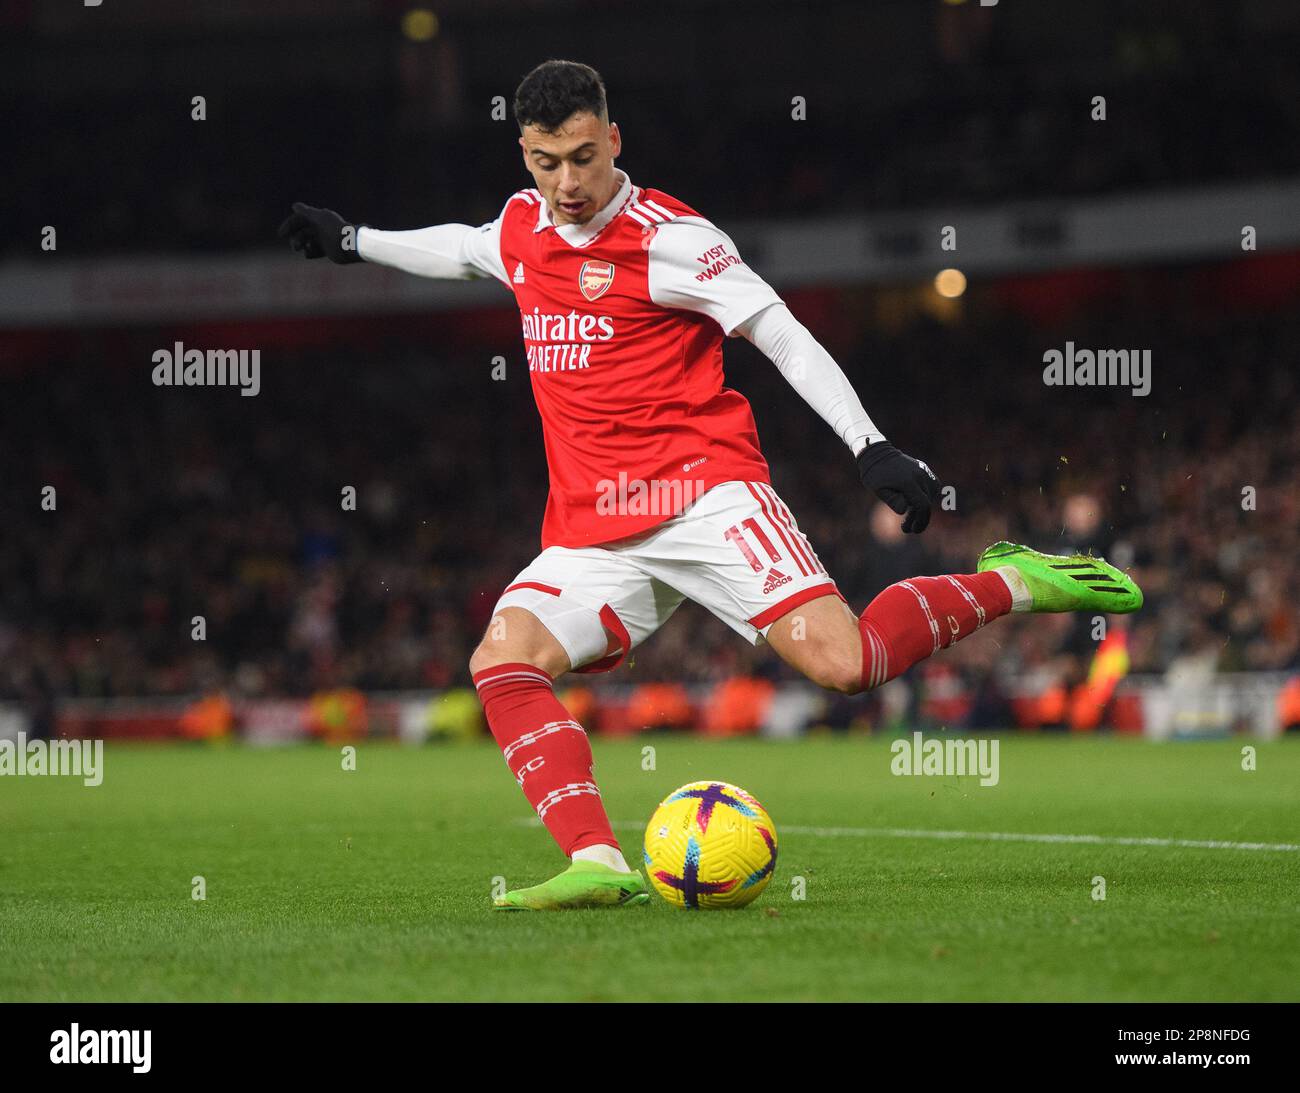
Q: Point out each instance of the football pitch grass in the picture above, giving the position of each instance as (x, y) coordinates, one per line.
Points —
(375, 884)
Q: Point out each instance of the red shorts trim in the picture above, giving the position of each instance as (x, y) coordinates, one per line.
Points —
(615, 626)
(771, 614)
(534, 584)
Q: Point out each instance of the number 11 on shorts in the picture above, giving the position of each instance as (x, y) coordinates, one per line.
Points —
(736, 536)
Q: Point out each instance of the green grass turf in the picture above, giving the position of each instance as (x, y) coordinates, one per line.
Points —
(375, 884)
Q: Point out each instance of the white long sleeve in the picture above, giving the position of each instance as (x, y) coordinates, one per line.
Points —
(695, 266)
(812, 372)
(449, 251)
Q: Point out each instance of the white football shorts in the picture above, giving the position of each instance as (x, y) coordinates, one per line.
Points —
(736, 551)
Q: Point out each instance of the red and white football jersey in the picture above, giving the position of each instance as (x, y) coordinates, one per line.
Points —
(623, 322)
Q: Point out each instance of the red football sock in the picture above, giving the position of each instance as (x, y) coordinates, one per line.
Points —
(548, 753)
(921, 615)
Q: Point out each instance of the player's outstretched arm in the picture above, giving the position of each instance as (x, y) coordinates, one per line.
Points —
(905, 484)
(447, 251)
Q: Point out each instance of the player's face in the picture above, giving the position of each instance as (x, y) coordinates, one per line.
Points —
(573, 166)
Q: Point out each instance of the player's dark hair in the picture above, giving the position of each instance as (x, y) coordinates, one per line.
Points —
(554, 90)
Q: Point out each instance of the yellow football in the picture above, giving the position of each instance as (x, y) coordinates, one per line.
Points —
(710, 845)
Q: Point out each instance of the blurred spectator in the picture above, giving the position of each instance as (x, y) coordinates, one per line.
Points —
(176, 502)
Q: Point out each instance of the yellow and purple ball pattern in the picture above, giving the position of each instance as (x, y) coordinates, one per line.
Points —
(710, 845)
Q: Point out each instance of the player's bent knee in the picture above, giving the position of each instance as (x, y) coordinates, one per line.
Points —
(834, 671)
(484, 657)
(822, 640)
(516, 636)
(845, 678)
(488, 655)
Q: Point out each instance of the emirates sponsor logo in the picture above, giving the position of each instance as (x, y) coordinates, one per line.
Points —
(595, 278)
(562, 343)
(542, 327)
(775, 579)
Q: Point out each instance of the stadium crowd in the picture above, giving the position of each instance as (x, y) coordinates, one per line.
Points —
(173, 503)
(946, 106)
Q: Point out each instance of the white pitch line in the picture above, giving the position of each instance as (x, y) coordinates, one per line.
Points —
(1018, 837)
(1005, 836)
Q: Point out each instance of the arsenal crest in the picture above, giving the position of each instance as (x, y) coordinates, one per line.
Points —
(595, 278)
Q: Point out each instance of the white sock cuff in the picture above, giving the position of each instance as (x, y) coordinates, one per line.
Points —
(1021, 598)
(604, 854)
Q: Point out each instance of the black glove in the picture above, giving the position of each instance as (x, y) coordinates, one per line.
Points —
(318, 233)
(905, 484)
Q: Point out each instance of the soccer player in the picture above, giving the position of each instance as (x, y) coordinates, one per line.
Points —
(658, 489)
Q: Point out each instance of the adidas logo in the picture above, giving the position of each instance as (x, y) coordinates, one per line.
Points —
(1090, 574)
(519, 274)
(775, 579)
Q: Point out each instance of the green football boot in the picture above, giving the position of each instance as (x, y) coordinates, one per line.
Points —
(1077, 582)
(583, 884)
